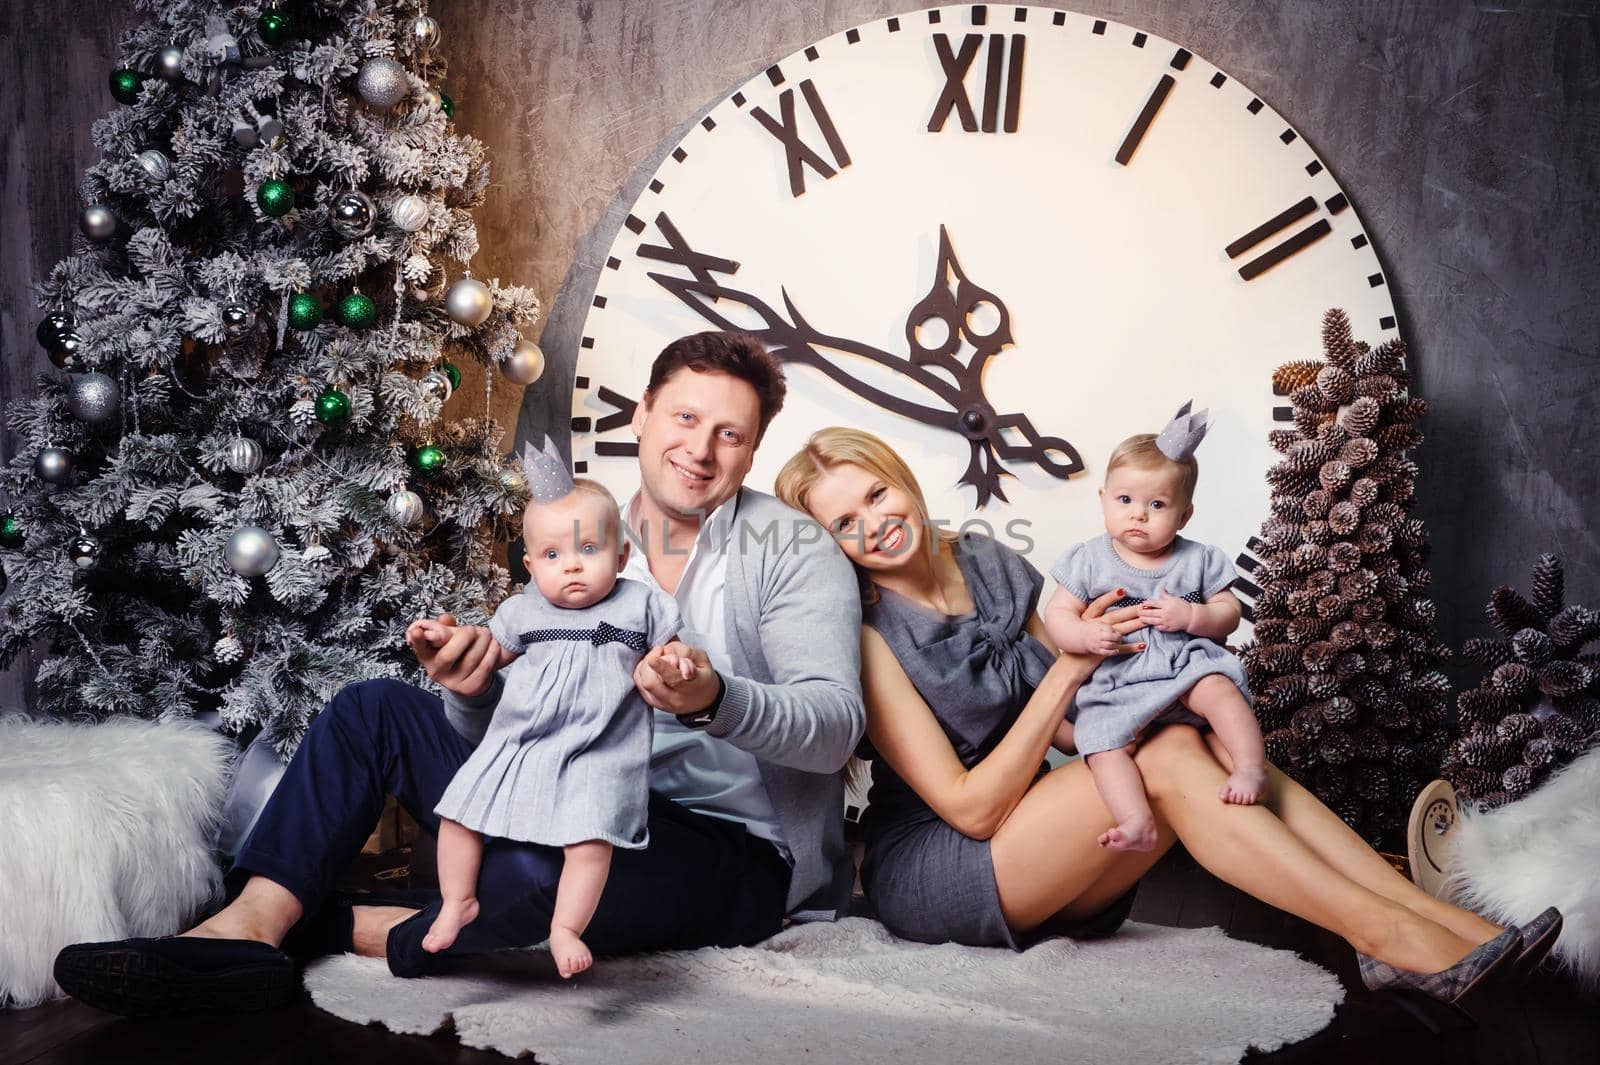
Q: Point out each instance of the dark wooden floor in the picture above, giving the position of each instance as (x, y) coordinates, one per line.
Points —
(1545, 1022)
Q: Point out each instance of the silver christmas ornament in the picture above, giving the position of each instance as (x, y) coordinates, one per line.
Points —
(352, 214)
(409, 213)
(525, 365)
(437, 384)
(251, 551)
(237, 319)
(93, 398)
(469, 302)
(424, 32)
(155, 164)
(53, 465)
(382, 83)
(169, 62)
(85, 550)
(405, 507)
(97, 222)
(243, 455)
(513, 481)
(432, 98)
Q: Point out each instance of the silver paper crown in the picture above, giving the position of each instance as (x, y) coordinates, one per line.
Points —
(546, 472)
(1183, 433)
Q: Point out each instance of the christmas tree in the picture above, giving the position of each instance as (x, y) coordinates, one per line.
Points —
(239, 489)
(1538, 705)
(1344, 665)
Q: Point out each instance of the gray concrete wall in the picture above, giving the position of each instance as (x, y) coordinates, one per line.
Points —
(1467, 134)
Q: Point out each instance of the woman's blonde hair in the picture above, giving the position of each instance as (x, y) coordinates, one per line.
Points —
(1142, 453)
(840, 445)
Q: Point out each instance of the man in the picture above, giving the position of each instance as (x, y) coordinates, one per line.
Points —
(746, 790)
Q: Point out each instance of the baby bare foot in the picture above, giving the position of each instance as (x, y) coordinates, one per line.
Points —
(1245, 786)
(1134, 834)
(456, 915)
(571, 955)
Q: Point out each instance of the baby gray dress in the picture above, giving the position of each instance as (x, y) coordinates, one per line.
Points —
(975, 671)
(1127, 693)
(566, 757)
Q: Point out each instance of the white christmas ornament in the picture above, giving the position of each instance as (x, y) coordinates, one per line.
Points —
(409, 213)
(405, 507)
(525, 365)
(244, 455)
(382, 82)
(469, 302)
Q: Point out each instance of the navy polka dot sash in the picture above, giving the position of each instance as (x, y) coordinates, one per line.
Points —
(603, 633)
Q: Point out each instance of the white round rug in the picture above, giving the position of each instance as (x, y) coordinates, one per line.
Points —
(849, 991)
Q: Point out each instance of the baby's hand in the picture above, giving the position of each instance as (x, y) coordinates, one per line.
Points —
(683, 664)
(1166, 612)
(429, 630)
(1102, 639)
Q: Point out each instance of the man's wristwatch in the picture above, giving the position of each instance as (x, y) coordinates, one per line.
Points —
(702, 718)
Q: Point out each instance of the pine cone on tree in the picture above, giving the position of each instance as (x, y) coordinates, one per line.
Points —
(1338, 680)
(1536, 708)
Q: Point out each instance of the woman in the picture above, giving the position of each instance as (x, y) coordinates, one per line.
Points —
(969, 839)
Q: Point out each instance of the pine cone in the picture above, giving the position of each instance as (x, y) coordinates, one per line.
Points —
(1370, 743)
(1301, 603)
(1399, 437)
(1385, 387)
(1379, 661)
(1431, 684)
(1283, 439)
(1294, 375)
(1315, 504)
(1317, 532)
(1474, 782)
(1345, 635)
(1379, 634)
(1370, 609)
(1322, 685)
(1563, 678)
(1336, 385)
(1393, 586)
(1404, 756)
(1286, 692)
(1410, 409)
(1318, 656)
(1335, 748)
(1343, 517)
(1286, 508)
(1492, 800)
(1538, 753)
(1338, 712)
(1532, 646)
(1308, 557)
(1574, 626)
(1484, 706)
(1363, 491)
(1307, 421)
(1515, 680)
(1375, 538)
(228, 650)
(1548, 585)
(1361, 417)
(1307, 724)
(1384, 511)
(1332, 608)
(1333, 434)
(1417, 614)
(1306, 629)
(1349, 664)
(1385, 359)
(1334, 475)
(1359, 452)
(1400, 490)
(1272, 630)
(1517, 780)
(1358, 585)
(1331, 784)
(1518, 729)
(1279, 534)
(1565, 734)
(1337, 343)
(1310, 397)
(1372, 783)
(1478, 748)
(1291, 482)
(1321, 583)
(1279, 742)
(1583, 709)
(1307, 455)
(1510, 613)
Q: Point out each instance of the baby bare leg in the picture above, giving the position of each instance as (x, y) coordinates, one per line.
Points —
(460, 855)
(583, 877)
(1122, 790)
(1216, 699)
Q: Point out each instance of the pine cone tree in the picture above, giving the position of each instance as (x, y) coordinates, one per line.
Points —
(1295, 375)
(1536, 709)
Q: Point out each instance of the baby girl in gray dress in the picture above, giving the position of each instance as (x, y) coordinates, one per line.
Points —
(565, 760)
(1180, 671)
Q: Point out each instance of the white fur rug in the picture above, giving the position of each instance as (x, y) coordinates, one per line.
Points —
(1542, 850)
(106, 832)
(822, 993)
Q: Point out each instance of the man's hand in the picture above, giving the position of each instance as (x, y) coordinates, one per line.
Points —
(1166, 612)
(665, 683)
(461, 658)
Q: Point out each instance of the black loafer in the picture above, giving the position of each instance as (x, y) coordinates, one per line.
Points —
(176, 974)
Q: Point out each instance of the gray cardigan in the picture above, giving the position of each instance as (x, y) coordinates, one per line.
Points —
(794, 636)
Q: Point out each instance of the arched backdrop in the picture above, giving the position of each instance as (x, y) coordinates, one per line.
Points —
(1468, 135)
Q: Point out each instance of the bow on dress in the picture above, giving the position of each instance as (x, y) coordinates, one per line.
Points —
(603, 633)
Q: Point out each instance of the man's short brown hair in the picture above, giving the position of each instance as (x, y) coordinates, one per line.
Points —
(735, 354)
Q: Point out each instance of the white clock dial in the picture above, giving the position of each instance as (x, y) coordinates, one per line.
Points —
(1112, 225)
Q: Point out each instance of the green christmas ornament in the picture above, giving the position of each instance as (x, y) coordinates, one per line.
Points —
(333, 407)
(305, 310)
(125, 85)
(10, 532)
(447, 105)
(357, 311)
(275, 28)
(275, 197)
(428, 460)
(454, 374)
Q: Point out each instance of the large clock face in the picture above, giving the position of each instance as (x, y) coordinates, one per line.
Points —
(1002, 238)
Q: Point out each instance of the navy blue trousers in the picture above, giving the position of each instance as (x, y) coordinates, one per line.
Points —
(702, 881)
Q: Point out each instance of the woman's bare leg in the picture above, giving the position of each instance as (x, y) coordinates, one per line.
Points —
(1250, 848)
(1338, 844)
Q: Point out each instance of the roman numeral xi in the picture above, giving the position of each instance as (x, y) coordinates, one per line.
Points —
(956, 63)
(800, 154)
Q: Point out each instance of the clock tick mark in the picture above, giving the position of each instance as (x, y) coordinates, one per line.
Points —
(1358, 241)
(1313, 168)
(586, 342)
(1254, 107)
(1247, 587)
(581, 425)
(1180, 59)
(1337, 204)
(811, 53)
(1386, 322)
(655, 185)
(1021, 15)
(1287, 136)
(580, 467)
(775, 75)
(635, 224)
(980, 14)
(613, 263)
(1218, 79)
(679, 154)
(1283, 414)
(709, 123)
(580, 381)
(738, 97)
(1375, 280)
(600, 303)
(1059, 18)
(1099, 27)
(852, 36)
(1139, 39)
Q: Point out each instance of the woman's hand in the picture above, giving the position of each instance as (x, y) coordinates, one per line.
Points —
(1116, 624)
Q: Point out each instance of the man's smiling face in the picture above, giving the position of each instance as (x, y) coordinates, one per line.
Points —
(697, 440)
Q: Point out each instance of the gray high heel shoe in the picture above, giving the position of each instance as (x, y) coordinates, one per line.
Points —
(1430, 997)
(1538, 937)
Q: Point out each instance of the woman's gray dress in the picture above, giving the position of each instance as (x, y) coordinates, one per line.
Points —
(976, 671)
(1127, 693)
(566, 757)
